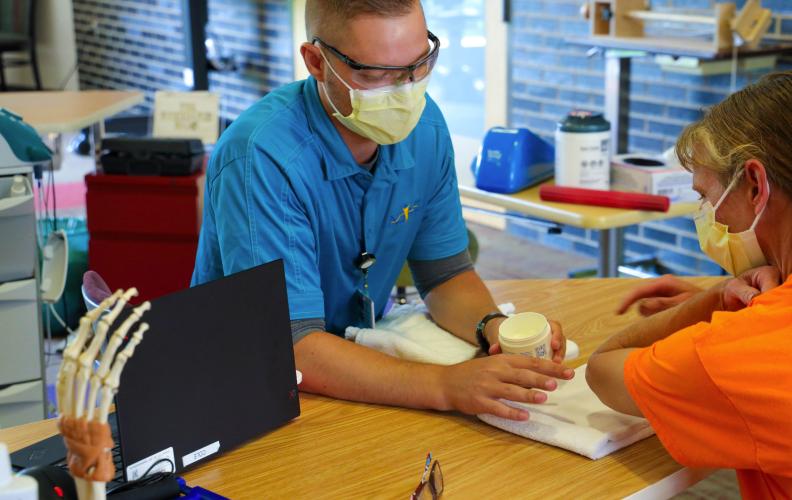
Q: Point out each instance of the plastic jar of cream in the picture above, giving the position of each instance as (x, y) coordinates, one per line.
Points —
(526, 333)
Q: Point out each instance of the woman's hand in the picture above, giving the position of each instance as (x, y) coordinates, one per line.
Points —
(658, 295)
(738, 292)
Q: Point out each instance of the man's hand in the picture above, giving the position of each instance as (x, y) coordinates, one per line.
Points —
(738, 292)
(658, 295)
(476, 386)
(557, 342)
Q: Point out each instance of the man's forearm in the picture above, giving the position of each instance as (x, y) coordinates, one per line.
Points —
(649, 330)
(341, 369)
(459, 304)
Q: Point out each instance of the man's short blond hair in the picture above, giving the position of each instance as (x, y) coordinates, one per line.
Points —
(323, 18)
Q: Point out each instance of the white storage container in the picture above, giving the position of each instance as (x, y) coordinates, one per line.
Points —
(582, 151)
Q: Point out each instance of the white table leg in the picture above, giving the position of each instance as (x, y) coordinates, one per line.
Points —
(671, 485)
(617, 99)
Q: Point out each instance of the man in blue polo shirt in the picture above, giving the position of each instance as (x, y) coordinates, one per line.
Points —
(345, 176)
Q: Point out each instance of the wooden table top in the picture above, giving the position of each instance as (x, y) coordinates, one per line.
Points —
(340, 449)
(528, 203)
(67, 111)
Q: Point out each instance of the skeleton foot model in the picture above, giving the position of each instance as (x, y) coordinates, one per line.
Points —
(80, 388)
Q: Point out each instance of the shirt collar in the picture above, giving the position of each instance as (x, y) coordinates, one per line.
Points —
(339, 162)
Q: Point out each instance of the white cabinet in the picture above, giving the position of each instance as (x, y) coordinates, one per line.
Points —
(21, 403)
(20, 350)
(21, 363)
(17, 233)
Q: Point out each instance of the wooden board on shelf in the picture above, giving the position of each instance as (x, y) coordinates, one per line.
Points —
(686, 47)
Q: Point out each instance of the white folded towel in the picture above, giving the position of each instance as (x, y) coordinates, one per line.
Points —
(573, 418)
(408, 332)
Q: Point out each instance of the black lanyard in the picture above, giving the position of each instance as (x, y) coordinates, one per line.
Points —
(364, 260)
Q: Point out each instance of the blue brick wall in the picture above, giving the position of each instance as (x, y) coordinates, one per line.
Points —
(124, 45)
(259, 34)
(550, 77)
(139, 44)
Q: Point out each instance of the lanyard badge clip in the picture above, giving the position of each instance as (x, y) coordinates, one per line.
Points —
(364, 262)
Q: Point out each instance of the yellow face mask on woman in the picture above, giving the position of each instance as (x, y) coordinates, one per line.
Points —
(734, 252)
(386, 115)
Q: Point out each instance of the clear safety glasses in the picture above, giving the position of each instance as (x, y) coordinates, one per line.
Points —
(370, 76)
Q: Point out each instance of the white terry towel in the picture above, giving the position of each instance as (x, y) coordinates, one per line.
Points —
(573, 418)
(408, 332)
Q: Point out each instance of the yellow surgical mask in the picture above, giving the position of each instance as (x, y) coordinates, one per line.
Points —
(734, 252)
(386, 115)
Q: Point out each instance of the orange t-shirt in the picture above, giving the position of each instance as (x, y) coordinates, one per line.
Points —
(719, 394)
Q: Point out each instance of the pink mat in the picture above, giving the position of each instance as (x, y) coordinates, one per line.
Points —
(70, 195)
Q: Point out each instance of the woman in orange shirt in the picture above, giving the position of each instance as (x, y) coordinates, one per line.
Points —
(713, 375)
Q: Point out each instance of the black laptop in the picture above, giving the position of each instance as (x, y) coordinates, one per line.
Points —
(215, 369)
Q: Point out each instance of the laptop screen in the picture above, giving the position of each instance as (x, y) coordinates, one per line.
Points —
(215, 369)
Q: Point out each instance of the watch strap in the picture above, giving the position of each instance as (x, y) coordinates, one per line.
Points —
(482, 340)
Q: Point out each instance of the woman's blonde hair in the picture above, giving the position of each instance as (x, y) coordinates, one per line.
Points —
(754, 123)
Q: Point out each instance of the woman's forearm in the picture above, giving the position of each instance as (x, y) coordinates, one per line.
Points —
(649, 330)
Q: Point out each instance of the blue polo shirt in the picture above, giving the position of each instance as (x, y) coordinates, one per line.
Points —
(282, 184)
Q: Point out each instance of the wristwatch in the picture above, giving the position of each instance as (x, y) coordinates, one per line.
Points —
(482, 340)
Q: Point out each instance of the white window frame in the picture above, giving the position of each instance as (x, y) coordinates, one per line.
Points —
(298, 38)
(496, 93)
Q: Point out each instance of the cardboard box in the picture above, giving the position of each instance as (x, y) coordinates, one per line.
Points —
(651, 175)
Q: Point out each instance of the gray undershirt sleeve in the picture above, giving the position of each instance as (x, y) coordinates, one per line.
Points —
(428, 274)
(300, 328)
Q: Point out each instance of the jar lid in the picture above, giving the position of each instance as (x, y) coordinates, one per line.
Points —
(584, 121)
(524, 327)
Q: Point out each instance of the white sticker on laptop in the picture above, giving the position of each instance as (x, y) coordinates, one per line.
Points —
(164, 461)
(204, 452)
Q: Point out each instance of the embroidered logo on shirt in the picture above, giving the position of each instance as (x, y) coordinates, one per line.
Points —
(404, 216)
